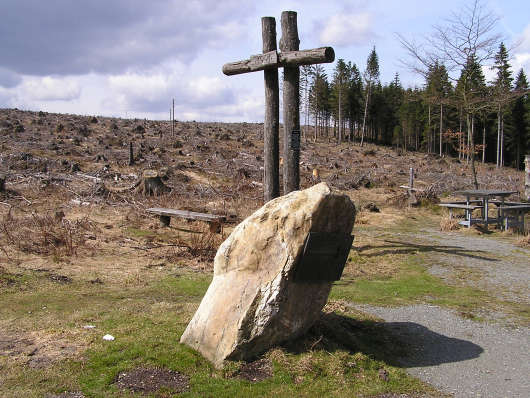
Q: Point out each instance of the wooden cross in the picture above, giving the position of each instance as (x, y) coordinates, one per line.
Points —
(290, 58)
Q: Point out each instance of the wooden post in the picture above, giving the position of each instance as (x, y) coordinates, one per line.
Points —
(271, 176)
(291, 106)
(290, 58)
(527, 177)
(131, 154)
(411, 178)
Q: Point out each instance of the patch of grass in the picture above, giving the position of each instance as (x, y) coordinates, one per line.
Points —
(411, 284)
(141, 233)
(147, 322)
(398, 277)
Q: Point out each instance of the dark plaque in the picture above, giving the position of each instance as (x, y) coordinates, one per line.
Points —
(295, 140)
(323, 257)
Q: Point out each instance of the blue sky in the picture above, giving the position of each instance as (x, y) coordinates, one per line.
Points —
(129, 58)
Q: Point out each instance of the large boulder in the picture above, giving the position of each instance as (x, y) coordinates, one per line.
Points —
(255, 300)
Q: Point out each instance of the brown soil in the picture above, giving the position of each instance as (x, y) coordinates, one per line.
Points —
(39, 350)
(256, 371)
(150, 380)
(67, 395)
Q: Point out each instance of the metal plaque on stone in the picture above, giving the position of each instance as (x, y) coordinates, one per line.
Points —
(295, 140)
(323, 257)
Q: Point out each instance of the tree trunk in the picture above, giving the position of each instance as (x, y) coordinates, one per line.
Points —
(472, 151)
(365, 112)
(498, 136)
(340, 115)
(131, 154)
(441, 126)
(460, 136)
(502, 141)
(484, 143)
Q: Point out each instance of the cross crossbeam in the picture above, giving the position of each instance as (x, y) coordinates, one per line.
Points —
(275, 59)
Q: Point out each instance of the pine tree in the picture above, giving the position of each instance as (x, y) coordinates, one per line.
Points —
(355, 99)
(519, 139)
(339, 88)
(371, 76)
(306, 71)
(438, 90)
(318, 97)
(501, 86)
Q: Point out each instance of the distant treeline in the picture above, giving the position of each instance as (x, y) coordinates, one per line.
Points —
(443, 116)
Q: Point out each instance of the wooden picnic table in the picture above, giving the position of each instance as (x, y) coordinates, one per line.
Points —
(481, 199)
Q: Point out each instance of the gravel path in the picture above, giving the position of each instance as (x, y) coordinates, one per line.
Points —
(460, 356)
(502, 267)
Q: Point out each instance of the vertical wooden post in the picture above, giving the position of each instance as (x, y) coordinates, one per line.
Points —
(527, 177)
(131, 154)
(291, 106)
(411, 178)
(173, 120)
(271, 176)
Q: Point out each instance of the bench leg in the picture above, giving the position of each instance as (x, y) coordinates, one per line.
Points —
(215, 227)
(164, 221)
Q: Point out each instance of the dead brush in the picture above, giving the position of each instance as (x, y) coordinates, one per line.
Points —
(45, 234)
(524, 241)
(202, 244)
(449, 224)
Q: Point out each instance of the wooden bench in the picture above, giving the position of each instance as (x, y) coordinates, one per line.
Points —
(213, 220)
(468, 208)
(512, 216)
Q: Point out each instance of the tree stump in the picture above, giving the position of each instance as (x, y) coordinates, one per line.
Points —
(151, 184)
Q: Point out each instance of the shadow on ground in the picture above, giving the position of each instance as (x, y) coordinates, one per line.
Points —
(397, 247)
(402, 344)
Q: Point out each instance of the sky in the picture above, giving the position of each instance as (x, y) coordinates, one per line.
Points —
(130, 58)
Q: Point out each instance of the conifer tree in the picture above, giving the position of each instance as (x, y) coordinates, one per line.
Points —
(501, 87)
(371, 75)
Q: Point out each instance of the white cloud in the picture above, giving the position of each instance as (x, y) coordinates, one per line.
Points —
(348, 29)
(153, 91)
(9, 79)
(49, 89)
(521, 61)
(524, 39)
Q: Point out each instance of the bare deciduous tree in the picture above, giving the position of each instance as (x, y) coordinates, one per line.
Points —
(469, 34)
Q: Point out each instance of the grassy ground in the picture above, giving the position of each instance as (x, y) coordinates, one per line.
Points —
(388, 266)
(50, 351)
(146, 301)
(130, 282)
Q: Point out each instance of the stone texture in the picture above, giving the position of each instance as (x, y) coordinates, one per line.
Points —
(252, 302)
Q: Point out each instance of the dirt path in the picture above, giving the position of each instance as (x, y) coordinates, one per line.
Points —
(461, 356)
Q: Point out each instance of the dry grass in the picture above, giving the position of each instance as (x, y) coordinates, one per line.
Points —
(449, 224)
(524, 241)
(47, 234)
